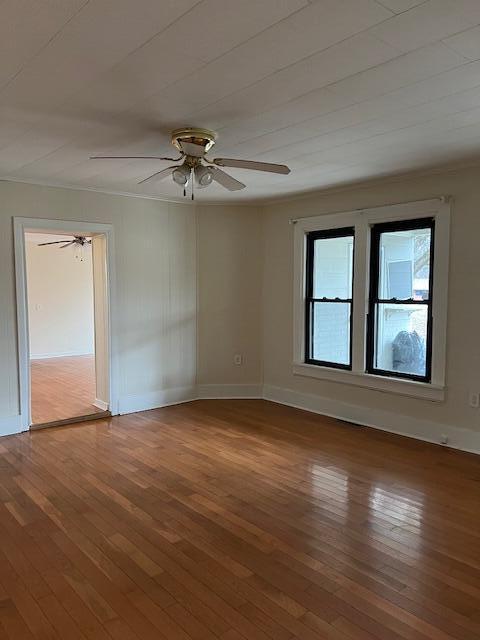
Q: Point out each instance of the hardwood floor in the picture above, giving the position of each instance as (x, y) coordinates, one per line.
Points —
(62, 388)
(236, 520)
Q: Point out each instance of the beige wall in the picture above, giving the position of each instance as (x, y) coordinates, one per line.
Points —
(463, 351)
(244, 274)
(155, 250)
(230, 258)
(60, 300)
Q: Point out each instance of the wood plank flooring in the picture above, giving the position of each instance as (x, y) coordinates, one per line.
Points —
(236, 520)
(62, 388)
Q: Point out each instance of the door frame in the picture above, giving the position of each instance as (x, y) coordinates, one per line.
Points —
(20, 226)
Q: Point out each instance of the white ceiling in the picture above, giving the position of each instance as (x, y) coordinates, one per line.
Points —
(341, 90)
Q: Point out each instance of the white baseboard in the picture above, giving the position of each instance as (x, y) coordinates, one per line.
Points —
(426, 430)
(225, 391)
(66, 354)
(156, 399)
(100, 404)
(11, 425)
(166, 397)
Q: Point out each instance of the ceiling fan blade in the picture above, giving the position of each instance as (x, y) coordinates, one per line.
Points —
(68, 244)
(160, 175)
(43, 244)
(227, 181)
(252, 164)
(135, 158)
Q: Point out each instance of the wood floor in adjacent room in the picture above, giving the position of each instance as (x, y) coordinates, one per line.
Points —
(62, 388)
(236, 520)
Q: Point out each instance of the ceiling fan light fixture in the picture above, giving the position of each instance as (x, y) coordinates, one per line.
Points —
(181, 175)
(79, 251)
(203, 175)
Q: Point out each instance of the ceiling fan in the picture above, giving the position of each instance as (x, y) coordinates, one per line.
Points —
(196, 168)
(78, 240)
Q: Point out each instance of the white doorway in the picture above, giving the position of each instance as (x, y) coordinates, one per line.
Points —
(64, 302)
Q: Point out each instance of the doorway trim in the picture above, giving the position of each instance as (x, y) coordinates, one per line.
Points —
(20, 226)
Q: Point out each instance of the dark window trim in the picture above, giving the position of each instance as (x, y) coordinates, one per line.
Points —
(374, 300)
(343, 232)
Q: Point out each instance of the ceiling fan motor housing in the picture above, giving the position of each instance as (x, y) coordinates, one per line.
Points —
(193, 141)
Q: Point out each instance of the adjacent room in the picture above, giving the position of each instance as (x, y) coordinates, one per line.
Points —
(239, 364)
(61, 327)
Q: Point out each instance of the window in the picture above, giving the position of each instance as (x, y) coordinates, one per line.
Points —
(370, 300)
(329, 297)
(400, 310)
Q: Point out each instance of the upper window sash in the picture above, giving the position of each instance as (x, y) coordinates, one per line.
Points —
(312, 237)
(377, 230)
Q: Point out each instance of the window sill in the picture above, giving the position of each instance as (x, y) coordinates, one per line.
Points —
(411, 388)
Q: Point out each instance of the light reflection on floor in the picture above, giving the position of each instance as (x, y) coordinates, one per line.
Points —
(382, 508)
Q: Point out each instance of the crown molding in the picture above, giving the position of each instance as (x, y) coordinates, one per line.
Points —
(365, 183)
(127, 194)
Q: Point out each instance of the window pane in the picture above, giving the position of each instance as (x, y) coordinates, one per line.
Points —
(331, 332)
(332, 267)
(404, 264)
(401, 336)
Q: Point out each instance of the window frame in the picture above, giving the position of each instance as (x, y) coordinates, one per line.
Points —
(312, 236)
(363, 220)
(374, 299)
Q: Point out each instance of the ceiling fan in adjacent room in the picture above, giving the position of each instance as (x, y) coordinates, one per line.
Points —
(79, 240)
(78, 243)
(195, 167)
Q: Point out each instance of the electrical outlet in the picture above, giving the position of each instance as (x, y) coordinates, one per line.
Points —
(237, 359)
(444, 438)
(474, 400)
